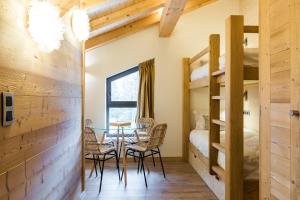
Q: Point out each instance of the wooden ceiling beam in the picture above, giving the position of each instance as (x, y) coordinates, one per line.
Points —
(139, 25)
(65, 5)
(86, 4)
(170, 16)
(123, 31)
(137, 10)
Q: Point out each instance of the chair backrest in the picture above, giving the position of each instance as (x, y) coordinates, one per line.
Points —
(88, 122)
(148, 123)
(157, 136)
(91, 143)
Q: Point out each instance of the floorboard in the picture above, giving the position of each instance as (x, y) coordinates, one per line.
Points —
(182, 182)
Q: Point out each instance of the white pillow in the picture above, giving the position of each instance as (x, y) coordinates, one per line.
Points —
(206, 121)
(199, 120)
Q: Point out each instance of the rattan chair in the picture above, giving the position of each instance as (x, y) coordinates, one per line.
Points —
(146, 149)
(142, 133)
(99, 152)
(145, 124)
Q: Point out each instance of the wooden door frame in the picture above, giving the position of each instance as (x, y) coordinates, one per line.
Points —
(264, 101)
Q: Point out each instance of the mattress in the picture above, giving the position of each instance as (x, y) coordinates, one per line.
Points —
(199, 138)
(250, 59)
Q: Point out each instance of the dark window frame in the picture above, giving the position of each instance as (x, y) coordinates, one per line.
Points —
(118, 104)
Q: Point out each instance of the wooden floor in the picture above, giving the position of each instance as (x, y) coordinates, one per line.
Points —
(182, 182)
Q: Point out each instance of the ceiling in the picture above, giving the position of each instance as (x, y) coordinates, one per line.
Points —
(114, 19)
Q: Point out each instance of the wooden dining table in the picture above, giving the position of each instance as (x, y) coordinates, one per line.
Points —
(120, 127)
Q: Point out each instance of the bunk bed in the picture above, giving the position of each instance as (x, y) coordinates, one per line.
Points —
(218, 155)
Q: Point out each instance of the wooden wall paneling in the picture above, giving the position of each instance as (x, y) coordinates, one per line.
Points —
(279, 10)
(279, 40)
(279, 63)
(40, 154)
(27, 84)
(35, 112)
(278, 192)
(17, 149)
(186, 108)
(16, 182)
(295, 98)
(280, 86)
(234, 136)
(59, 65)
(42, 183)
(281, 142)
(280, 97)
(280, 170)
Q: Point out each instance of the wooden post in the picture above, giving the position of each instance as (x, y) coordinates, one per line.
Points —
(234, 108)
(186, 108)
(214, 105)
(264, 93)
(295, 98)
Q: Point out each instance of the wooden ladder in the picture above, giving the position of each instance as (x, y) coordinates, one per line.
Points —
(233, 75)
(214, 107)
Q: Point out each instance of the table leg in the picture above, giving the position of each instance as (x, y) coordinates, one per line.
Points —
(117, 143)
(124, 157)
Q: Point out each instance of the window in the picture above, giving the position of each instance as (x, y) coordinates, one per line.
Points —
(121, 96)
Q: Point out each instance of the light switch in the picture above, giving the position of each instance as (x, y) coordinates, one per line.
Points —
(7, 108)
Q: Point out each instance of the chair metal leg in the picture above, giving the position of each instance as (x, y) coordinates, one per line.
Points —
(143, 168)
(117, 164)
(99, 163)
(95, 165)
(102, 169)
(141, 165)
(138, 168)
(153, 158)
(161, 162)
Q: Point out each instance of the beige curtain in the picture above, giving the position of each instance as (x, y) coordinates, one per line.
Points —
(145, 107)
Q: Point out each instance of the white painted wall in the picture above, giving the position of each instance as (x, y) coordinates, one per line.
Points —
(249, 8)
(189, 37)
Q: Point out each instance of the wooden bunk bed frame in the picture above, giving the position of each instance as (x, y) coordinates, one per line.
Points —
(227, 184)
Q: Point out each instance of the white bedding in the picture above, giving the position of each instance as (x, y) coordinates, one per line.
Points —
(250, 59)
(199, 138)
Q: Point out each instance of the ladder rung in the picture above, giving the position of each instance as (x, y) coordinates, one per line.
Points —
(219, 122)
(251, 29)
(219, 171)
(219, 147)
(218, 97)
(218, 73)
